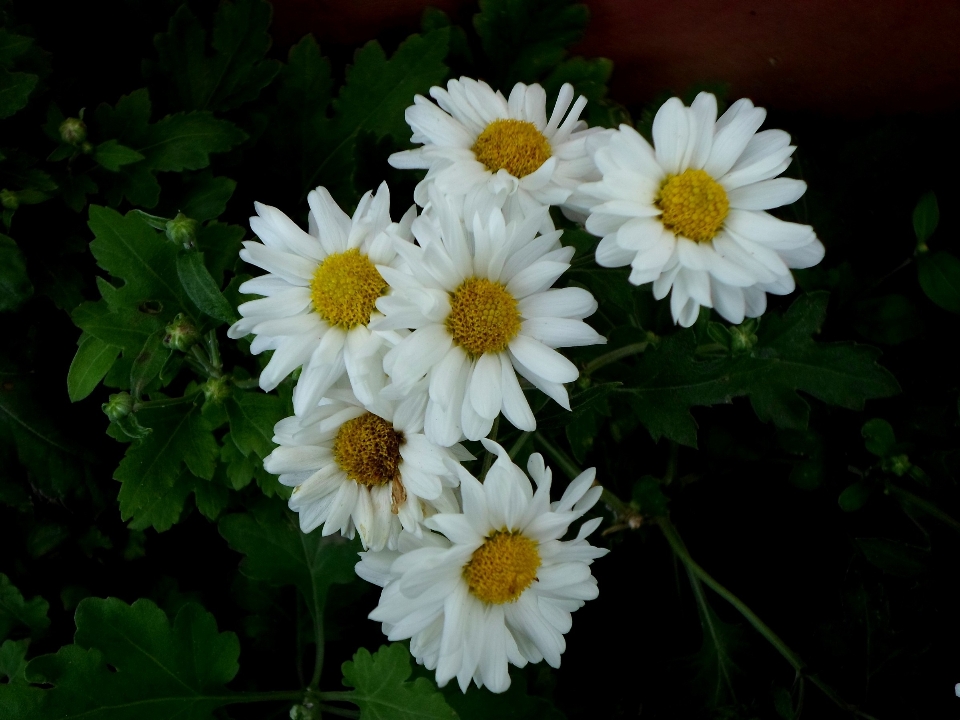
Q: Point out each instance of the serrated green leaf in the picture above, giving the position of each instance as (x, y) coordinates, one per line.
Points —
(211, 498)
(235, 72)
(154, 486)
(16, 612)
(373, 99)
(124, 328)
(522, 40)
(185, 141)
(668, 380)
(112, 155)
(253, 416)
(129, 249)
(206, 196)
(239, 467)
(15, 89)
(93, 360)
(15, 285)
(926, 217)
(383, 692)
(161, 670)
(202, 288)
(939, 275)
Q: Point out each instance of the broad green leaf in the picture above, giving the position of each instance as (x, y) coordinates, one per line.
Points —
(148, 363)
(206, 196)
(15, 89)
(202, 288)
(124, 328)
(878, 437)
(382, 689)
(278, 553)
(523, 40)
(154, 486)
(129, 249)
(895, 558)
(15, 612)
(93, 360)
(13, 662)
(211, 498)
(855, 496)
(235, 72)
(939, 275)
(668, 380)
(12, 46)
(253, 416)
(15, 285)
(112, 155)
(160, 671)
(374, 97)
(926, 216)
(185, 141)
(220, 245)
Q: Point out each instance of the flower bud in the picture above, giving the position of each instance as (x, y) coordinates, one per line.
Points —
(216, 389)
(73, 131)
(182, 230)
(119, 406)
(181, 334)
(899, 465)
(9, 199)
(743, 337)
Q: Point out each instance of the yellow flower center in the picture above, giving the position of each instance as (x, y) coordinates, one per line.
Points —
(512, 145)
(483, 316)
(502, 568)
(345, 288)
(367, 448)
(694, 205)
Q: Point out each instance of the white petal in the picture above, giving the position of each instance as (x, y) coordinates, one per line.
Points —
(671, 135)
(485, 391)
(547, 363)
(767, 194)
(515, 406)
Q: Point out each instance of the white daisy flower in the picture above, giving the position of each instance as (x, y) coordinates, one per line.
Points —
(495, 584)
(365, 468)
(319, 293)
(491, 152)
(688, 213)
(482, 310)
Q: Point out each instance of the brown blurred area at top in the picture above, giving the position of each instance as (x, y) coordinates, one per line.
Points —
(851, 57)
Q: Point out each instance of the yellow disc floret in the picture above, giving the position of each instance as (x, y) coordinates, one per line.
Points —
(367, 448)
(483, 316)
(502, 568)
(345, 288)
(512, 145)
(694, 205)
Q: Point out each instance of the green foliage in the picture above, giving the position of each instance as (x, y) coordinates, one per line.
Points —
(15, 285)
(202, 289)
(15, 87)
(668, 380)
(939, 275)
(382, 689)
(92, 362)
(17, 613)
(926, 217)
(159, 670)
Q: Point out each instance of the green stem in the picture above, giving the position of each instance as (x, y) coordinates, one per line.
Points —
(166, 402)
(928, 507)
(680, 550)
(200, 357)
(488, 458)
(213, 350)
(253, 697)
(337, 696)
(247, 384)
(515, 448)
(564, 461)
(613, 356)
(616, 505)
(340, 712)
(318, 660)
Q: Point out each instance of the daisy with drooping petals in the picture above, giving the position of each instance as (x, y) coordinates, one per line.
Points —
(482, 310)
(494, 152)
(495, 584)
(320, 293)
(688, 214)
(364, 468)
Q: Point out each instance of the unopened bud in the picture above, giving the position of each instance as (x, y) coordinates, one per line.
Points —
(182, 230)
(743, 337)
(9, 199)
(897, 464)
(73, 131)
(181, 334)
(119, 406)
(216, 389)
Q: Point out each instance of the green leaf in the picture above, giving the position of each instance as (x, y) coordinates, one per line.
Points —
(185, 141)
(253, 416)
(148, 363)
(235, 72)
(894, 557)
(206, 196)
(220, 245)
(112, 155)
(13, 662)
(513, 704)
(382, 690)
(878, 436)
(926, 216)
(278, 553)
(15, 285)
(202, 288)
(129, 249)
(523, 40)
(15, 89)
(890, 319)
(668, 380)
(855, 496)
(939, 275)
(123, 328)
(160, 671)
(715, 666)
(93, 360)
(373, 99)
(12, 46)
(16, 612)
(154, 485)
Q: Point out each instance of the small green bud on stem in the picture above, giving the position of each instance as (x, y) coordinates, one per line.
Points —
(216, 390)
(182, 230)
(181, 334)
(73, 131)
(119, 406)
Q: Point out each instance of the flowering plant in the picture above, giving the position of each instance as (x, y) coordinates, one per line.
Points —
(487, 343)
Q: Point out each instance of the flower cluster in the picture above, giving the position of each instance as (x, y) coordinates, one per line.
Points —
(411, 337)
